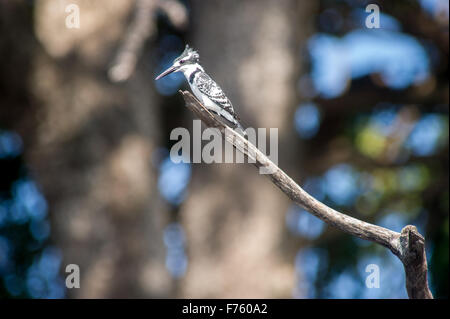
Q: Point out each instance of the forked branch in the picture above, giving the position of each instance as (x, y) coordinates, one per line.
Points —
(408, 246)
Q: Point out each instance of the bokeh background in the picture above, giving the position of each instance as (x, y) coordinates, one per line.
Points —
(85, 176)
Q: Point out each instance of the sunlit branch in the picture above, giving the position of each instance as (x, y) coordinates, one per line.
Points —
(408, 246)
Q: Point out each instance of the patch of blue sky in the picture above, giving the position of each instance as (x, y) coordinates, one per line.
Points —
(174, 236)
(17, 212)
(176, 262)
(435, 6)
(383, 119)
(428, 134)
(330, 67)
(309, 262)
(341, 184)
(42, 280)
(387, 22)
(304, 224)
(169, 84)
(40, 229)
(173, 180)
(27, 195)
(391, 285)
(11, 144)
(304, 289)
(170, 48)
(314, 187)
(399, 58)
(343, 286)
(36, 286)
(394, 221)
(176, 259)
(307, 120)
(50, 262)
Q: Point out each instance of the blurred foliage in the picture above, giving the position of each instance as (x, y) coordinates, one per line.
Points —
(29, 265)
(396, 170)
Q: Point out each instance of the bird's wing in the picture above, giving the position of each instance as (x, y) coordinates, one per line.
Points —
(210, 88)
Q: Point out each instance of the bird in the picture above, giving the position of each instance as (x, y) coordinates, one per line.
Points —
(204, 87)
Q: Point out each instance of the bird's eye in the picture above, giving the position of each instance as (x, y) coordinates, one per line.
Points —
(181, 62)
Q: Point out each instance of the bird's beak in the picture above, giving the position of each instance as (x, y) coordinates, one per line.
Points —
(166, 72)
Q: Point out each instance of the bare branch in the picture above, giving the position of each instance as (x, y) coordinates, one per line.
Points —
(409, 246)
(142, 28)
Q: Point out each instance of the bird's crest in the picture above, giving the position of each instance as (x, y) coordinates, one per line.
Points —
(189, 54)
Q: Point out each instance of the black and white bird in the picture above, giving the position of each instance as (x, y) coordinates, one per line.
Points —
(203, 87)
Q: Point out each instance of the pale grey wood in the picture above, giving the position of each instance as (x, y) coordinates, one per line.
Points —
(408, 246)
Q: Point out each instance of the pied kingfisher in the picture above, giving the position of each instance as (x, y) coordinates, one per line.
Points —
(203, 87)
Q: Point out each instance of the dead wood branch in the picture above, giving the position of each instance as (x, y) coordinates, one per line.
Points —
(408, 246)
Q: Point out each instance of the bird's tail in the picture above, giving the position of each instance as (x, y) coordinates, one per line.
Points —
(234, 122)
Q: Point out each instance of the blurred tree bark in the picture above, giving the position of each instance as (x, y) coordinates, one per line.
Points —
(89, 144)
(234, 220)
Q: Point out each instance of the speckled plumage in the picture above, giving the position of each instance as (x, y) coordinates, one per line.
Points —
(203, 87)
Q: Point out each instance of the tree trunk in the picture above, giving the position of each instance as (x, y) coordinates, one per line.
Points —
(92, 153)
(234, 218)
